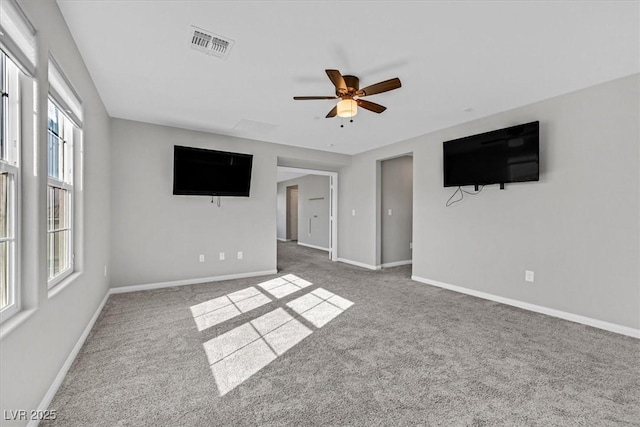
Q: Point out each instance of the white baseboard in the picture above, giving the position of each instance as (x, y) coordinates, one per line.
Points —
(397, 263)
(600, 324)
(48, 397)
(160, 285)
(313, 246)
(283, 240)
(359, 264)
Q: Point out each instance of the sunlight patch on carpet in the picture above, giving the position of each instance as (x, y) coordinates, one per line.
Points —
(320, 306)
(240, 353)
(285, 285)
(219, 310)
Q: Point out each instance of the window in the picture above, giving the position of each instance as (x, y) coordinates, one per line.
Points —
(64, 131)
(7, 240)
(59, 195)
(9, 185)
(17, 62)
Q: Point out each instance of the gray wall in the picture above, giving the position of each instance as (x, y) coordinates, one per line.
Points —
(396, 190)
(36, 342)
(158, 237)
(577, 228)
(309, 187)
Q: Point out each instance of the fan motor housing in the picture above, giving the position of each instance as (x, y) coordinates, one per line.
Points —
(353, 84)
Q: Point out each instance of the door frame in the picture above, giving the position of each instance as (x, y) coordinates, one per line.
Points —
(333, 210)
(379, 212)
(288, 227)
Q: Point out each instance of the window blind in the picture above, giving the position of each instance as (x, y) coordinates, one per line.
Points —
(63, 93)
(18, 38)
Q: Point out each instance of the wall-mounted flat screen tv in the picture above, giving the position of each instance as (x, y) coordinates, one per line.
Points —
(201, 172)
(497, 157)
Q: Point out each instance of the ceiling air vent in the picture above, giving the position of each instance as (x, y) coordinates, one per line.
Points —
(209, 43)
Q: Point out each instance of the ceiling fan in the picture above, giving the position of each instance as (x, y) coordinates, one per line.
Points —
(350, 95)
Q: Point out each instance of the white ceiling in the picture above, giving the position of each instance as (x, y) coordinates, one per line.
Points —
(490, 56)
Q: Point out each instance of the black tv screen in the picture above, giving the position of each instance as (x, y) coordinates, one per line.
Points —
(497, 157)
(210, 173)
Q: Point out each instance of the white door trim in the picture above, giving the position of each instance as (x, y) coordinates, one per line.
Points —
(333, 215)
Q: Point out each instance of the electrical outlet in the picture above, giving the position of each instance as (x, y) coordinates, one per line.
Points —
(221, 256)
(240, 255)
(201, 259)
(528, 276)
(353, 212)
(390, 212)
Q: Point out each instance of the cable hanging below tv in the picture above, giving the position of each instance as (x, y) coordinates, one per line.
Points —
(201, 172)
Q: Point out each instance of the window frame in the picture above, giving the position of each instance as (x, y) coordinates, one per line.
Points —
(10, 124)
(65, 182)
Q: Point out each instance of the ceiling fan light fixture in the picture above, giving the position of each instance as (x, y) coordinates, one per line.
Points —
(347, 108)
(351, 97)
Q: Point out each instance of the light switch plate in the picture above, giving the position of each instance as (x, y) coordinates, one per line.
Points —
(528, 276)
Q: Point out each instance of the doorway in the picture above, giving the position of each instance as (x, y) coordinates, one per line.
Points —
(315, 222)
(292, 213)
(396, 211)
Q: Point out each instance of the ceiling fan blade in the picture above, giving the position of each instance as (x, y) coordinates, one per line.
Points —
(384, 86)
(333, 112)
(371, 106)
(307, 98)
(337, 80)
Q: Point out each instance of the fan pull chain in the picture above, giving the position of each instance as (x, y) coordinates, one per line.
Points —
(342, 122)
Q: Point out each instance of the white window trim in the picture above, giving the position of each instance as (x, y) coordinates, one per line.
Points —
(14, 229)
(54, 182)
(12, 167)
